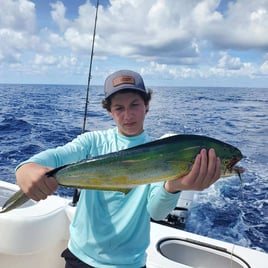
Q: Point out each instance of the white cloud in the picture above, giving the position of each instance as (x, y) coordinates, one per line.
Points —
(205, 13)
(44, 60)
(243, 26)
(264, 68)
(166, 31)
(172, 72)
(152, 30)
(17, 24)
(15, 43)
(74, 34)
(18, 30)
(228, 62)
(18, 15)
(173, 38)
(58, 15)
(229, 66)
(57, 40)
(60, 61)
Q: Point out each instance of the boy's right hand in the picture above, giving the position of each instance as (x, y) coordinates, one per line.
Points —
(34, 183)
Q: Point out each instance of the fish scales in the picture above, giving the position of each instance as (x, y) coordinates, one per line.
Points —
(156, 161)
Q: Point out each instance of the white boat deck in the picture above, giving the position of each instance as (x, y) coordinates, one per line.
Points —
(35, 236)
(187, 250)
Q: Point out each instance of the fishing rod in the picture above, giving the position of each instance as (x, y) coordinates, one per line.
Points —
(76, 191)
(90, 67)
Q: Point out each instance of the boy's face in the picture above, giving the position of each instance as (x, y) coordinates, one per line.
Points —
(128, 111)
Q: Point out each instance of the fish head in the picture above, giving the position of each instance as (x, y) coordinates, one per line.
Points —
(230, 166)
(230, 163)
(230, 156)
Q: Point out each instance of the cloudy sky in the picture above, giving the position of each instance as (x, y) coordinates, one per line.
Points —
(170, 42)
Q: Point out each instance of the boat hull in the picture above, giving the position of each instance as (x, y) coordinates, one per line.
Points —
(36, 235)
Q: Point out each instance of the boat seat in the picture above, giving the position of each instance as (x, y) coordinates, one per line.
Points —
(34, 227)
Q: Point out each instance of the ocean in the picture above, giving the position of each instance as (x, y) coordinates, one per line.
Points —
(37, 117)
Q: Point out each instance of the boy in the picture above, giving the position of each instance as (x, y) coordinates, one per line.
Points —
(111, 229)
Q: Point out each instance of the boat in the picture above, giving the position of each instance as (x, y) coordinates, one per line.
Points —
(35, 234)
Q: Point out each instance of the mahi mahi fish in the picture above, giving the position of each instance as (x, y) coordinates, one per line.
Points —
(159, 160)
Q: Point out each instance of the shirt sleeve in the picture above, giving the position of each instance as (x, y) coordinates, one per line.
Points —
(74, 151)
(161, 202)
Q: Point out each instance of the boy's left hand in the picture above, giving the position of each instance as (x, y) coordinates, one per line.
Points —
(205, 171)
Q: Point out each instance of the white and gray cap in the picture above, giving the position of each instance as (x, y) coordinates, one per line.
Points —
(121, 80)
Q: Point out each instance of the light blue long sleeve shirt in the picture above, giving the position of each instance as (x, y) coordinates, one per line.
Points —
(110, 229)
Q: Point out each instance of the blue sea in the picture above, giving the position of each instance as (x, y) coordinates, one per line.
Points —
(37, 117)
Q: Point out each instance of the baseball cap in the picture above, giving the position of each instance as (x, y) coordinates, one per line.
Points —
(123, 79)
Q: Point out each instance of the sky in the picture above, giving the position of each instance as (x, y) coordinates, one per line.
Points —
(169, 42)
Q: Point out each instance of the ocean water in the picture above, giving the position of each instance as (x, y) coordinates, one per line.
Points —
(37, 117)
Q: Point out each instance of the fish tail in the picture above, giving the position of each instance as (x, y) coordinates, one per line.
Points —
(16, 200)
(19, 198)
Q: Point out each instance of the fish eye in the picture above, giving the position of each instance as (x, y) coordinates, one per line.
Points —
(225, 162)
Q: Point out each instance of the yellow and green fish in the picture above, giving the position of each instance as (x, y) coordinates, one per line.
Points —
(160, 160)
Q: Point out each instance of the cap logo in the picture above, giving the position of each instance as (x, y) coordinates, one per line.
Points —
(124, 79)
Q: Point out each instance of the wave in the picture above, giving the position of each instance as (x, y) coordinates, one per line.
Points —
(48, 116)
(10, 124)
